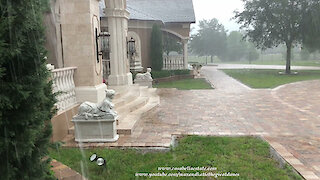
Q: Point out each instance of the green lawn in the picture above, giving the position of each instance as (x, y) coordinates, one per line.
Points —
(276, 60)
(269, 78)
(247, 156)
(185, 84)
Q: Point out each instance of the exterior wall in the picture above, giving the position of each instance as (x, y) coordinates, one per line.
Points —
(62, 122)
(181, 28)
(79, 18)
(53, 34)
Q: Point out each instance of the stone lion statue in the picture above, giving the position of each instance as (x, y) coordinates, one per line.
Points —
(103, 110)
(144, 76)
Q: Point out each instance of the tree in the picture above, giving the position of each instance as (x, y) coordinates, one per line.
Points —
(211, 39)
(269, 23)
(26, 99)
(171, 44)
(311, 25)
(252, 53)
(304, 54)
(156, 52)
(236, 46)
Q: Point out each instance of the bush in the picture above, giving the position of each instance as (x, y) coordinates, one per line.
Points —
(168, 73)
(26, 100)
(156, 53)
(181, 72)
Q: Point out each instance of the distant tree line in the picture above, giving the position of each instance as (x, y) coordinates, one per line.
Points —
(213, 40)
(270, 23)
(265, 24)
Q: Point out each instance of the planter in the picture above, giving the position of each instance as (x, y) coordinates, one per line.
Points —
(95, 130)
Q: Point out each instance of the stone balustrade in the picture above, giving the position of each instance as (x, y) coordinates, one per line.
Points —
(63, 85)
(173, 62)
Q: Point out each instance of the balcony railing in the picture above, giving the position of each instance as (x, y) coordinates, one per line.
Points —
(173, 62)
(63, 85)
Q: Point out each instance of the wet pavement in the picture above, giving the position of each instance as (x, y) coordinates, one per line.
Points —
(288, 117)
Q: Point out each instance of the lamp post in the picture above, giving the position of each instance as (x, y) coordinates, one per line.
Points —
(104, 38)
(131, 50)
(131, 46)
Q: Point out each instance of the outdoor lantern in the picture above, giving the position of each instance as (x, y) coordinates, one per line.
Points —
(131, 46)
(104, 38)
(100, 161)
(104, 41)
(93, 157)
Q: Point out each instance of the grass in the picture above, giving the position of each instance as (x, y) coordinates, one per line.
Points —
(266, 60)
(270, 78)
(185, 84)
(248, 156)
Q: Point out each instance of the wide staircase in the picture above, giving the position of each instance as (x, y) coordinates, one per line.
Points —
(131, 103)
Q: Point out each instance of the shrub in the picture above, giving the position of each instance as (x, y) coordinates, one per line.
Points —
(156, 53)
(181, 72)
(168, 73)
(26, 100)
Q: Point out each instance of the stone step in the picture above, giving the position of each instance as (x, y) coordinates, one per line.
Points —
(68, 139)
(122, 90)
(127, 125)
(71, 130)
(132, 106)
(129, 97)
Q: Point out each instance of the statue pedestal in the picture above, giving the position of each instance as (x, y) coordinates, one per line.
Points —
(144, 79)
(95, 130)
(144, 82)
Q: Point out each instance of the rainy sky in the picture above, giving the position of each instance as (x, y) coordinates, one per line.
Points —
(220, 9)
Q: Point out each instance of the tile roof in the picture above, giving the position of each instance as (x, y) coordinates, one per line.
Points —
(166, 11)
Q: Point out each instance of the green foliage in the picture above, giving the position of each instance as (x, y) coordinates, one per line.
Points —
(156, 53)
(171, 44)
(248, 156)
(236, 47)
(26, 99)
(260, 78)
(311, 25)
(269, 23)
(181, 72)
(168, 73)
(304, 54)
(211, 40)
(252, 53)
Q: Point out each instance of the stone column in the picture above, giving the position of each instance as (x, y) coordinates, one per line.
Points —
(185, 52)
(79, 19)
(118, 18)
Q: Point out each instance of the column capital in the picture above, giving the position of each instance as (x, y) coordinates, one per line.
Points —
(116, 13)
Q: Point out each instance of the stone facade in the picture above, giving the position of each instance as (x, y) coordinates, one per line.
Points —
(79, 20)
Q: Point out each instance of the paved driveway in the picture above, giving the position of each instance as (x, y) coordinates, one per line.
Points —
(287, 117)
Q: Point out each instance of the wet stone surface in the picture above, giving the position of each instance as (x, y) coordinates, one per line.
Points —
(287, 117)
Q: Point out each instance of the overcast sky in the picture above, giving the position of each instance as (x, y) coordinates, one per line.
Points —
(220, 9)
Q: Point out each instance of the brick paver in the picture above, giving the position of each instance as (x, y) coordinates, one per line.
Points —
(287, 117)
